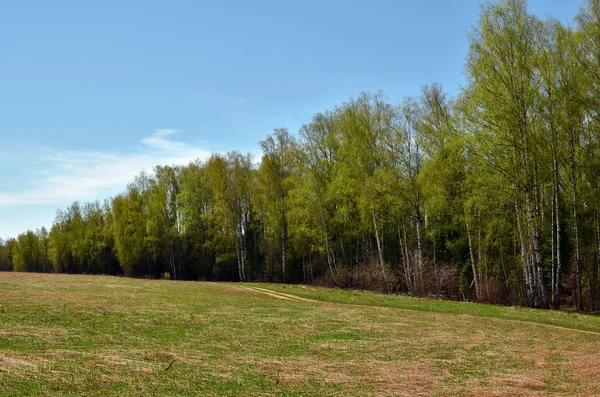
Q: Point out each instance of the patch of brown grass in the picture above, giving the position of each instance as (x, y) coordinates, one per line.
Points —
(383, 377)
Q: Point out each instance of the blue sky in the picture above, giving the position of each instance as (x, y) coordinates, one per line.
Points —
(92, 93)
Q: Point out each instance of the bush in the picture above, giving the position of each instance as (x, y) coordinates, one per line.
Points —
(366, 276)
(442, 281)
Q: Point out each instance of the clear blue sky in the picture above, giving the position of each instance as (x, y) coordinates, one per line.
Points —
(92, 92)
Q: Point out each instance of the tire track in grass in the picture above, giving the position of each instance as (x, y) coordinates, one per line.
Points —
(281, 295)
(582, 331)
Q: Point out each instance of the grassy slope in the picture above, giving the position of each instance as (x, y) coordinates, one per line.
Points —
(101, 335)
(579, 321)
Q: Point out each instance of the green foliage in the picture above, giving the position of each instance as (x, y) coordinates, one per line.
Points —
(493, 195)
(129, 228)
(30, 252)
(6, 256)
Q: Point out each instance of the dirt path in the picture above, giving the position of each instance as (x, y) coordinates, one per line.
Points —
(581, 331)
(281, 295)
(269, 293)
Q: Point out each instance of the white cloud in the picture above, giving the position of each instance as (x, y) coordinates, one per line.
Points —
(90, 175)
(159, 140)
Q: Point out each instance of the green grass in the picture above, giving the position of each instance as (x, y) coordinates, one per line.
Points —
(568, 319)
(74, 335)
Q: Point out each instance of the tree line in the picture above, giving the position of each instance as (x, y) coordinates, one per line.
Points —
(492, 196)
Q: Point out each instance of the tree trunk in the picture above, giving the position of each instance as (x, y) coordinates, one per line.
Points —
(437, 280)
(404, 260)
(238, 257)
(480, 262)
(473, 266)
(243, 249)
(311, 266)
(597, 256)
(283, 241)
(578, 289)
(303, 270)
(409, 267)
(240, 252)
(524, 261)
(330, 259)
(379, 249)
(557, 275)
(540, 271)
(419, 250)
(556, 247)
(553, 252)
(537, 243)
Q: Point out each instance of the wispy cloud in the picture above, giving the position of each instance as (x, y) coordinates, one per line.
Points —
(67, 176)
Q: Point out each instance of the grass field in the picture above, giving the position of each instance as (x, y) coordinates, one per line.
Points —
(74, 335)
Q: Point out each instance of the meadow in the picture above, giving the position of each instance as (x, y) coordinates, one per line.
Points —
(96, 335)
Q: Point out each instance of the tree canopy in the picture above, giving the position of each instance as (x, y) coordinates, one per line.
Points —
(492, 196)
